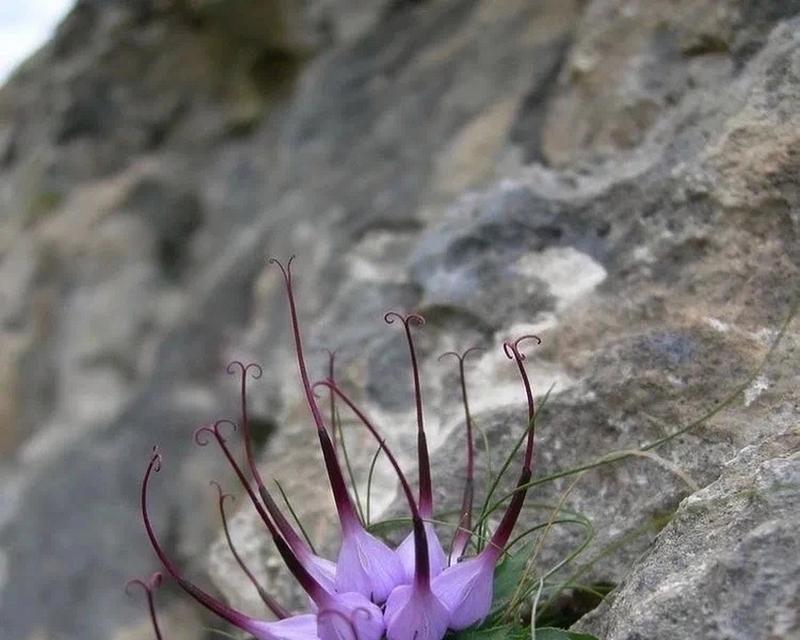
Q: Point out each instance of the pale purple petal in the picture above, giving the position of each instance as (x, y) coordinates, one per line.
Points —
(323, 571)
(367, 566)
(303, 627)
(415, 614)
(466, 590)
(350, 616)
(436, 554)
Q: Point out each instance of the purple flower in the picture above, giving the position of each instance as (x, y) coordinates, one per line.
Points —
(436, 555)
(365, 564)
(422, 596)
(302, 627)
(323, 570)
(437, 560)
(466, 588)
(415, 614)
(366, 619)
(260, 629)
(412, 611)
(350, 616)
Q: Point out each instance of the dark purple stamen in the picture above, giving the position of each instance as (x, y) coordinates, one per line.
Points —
(306, 580)
(272, 604)
(225, 612)
(425, 486)
(465, 588)
(506, 526)
(412, 609)
(365, 565)
(287, 531)
(421, 543)
(200, 437)
(149, 587)
(344, 504)
(464, 531)
(257, 372)
(512, 352)
(332, 398)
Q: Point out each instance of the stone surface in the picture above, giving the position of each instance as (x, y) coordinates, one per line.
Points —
(618, 178)
(726, 564)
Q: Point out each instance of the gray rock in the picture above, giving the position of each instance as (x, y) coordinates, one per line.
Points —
(620, 180)
(726, 564)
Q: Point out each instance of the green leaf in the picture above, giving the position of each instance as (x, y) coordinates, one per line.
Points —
(500, 632)
(508, 574)
(515, 632)
(550, 633)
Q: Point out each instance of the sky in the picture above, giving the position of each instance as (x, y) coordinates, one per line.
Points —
(24, 26)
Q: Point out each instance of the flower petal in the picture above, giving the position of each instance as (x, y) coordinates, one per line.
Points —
(466, 590)
(302, 627)
(367, 566)
(323, 570)
(414, 614)
(436, 555)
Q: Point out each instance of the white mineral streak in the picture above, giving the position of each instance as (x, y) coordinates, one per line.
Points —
(570, 274)
(756, 388)
(716, 324)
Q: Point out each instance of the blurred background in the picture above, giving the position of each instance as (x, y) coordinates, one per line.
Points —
(619, 176)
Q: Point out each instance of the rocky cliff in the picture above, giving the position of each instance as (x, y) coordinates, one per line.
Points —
(618, 176)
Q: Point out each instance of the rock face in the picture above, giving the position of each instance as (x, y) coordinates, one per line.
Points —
(617, 176)
(720, 567)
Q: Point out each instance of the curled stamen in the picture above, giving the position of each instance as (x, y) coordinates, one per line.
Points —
(425, 485)
(155, 459)
(200, 437)
(149, 587)
(350, 617)
(233, 616)
(285, 270)
(466, 588)
(266, 598)
(348, 516)
(511, 348)
(303, 565)
(504, 529)
(298, 343)
(257, 372)
(409, 319)
(461, 357)
(463, 532)
(286, 529)
(324, 614)
(201, 434)
(245, 368)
